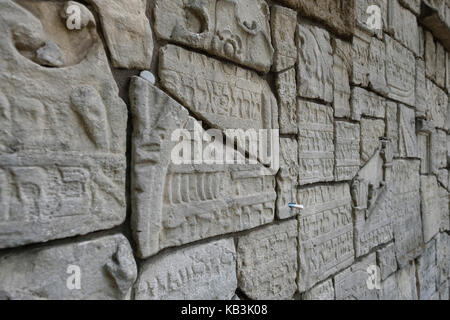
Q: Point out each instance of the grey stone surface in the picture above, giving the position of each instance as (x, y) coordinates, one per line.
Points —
(283, 23)
(371, 132)
(407, 139)
(427, 272)
(322, 291)
(403, 26)
(286, 87)
(347, 150)
(199, 272)
(287, 178)
(443, 257)
(367, 103)
(406, 282)
(342, 70)
(431, 215)
(387, 261)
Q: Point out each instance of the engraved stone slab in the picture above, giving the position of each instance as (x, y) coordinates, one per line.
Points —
(173, 203)
(427, 272)
(438, 150)
(315, 63)
(326, 233)
(235, 30)
(443, 257)
(442, 177)
(62, 130)
(392, 133)
(362, 16)
(347, 150)
(430, 55)
(421, 88)
(323, 291)
(400, 72)
(283, 22)
(444, 209)
(105, 265)
(316, 142)
(285, 84)
(351, 284)
(440, 65)
(406, 205)
(431, 215)
(287, 178)
(342, 70)
(367, 103)
(387, 261)
(199, 272)
(389, 288)
(406, 282)
(127, 32)
(371, 132)
(407, 132)
(225, 95)
(403, 26)
(267, 261)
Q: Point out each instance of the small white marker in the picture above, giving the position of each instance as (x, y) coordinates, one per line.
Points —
(296, 206)
(147, 75)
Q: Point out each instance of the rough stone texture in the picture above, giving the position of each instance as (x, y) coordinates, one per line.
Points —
(443, 257)
(62, 136)
(287, 178)
(199, 272)
(316, 142)
(392, 125)
(430, 55)
(235, 30)
(389, 288)
(323, 291)
(315, 63)
(434, 15)
(285, 84)
(106, 265)
(325, 233)
(444, 208)
(427, 272)
(371, 132)
(351, 284)
(438, 150)
(407, 138)
(403, 26)
(431, 215)
(228, 198)
(421, 89)
(440, 65)
(267, 261)
(347, 150)
(367, 103)
(387, 261)
(342, 70)
(127, 32)
(413, 5)
(283, 22)
(406, 282)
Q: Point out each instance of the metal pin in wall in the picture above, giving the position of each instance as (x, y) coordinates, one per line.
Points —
(296, 206)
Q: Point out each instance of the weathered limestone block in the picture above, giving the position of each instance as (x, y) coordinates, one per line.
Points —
(237, 30)
(444, 291)
(267, 261)
(316, 142)
(371, 132)
(442, 177)
(347, 150)
(369, 62)
(351, 284)
(322, 291)
(283, 22)
(325, 233)
(430, 56)
(400, 72)
(362, 16)
(225, 95)
(434, 16)
(407, 138)
(63, 130)
(440, 65)
(367, 103)
(392, 133)
(421, 89)
(199, 272)
(285, 84)
(424, 132)
(406, 206)
(431, 215)
(443, 257)
(127, 32)
(406, 282)
(438, 150)
(403, 26)
(387, 261)
(315, 63)
(372, 200)
(427, 272)
(342, 70)
(105, 266)
(444, 201)
(413, 5)
(287, 178)
(389, 288)
(177, 202)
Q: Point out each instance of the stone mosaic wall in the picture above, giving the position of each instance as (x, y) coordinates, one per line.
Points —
(93, 205)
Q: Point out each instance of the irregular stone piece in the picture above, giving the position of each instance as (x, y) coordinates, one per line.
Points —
(421, 89)
(147, 75)
(427, 272)
(389, 288)
(285, 84)
(237, 30)
(127, 32)
(392, 133)
(431, 214)
(369, 62)
(50, 55)
(199, 272)
(430, 55)
(351, 284)
(105, 267)
(440, 65)
(267, 261)
(406, 282)
(407, 132)
(387, 261)
(283, 22)
(325, 233)
(371, 132)
(63, 131)
(424, 132)
(438, 150)
(406, 205)
(347, 150)
(403, 26)
(315, 63)
(444, 209)
(194, 199)
(443, 257)
(400, 72)
(225, 95)
(323, 291)
(442, 177)
(367, 103)
(444, 291)
(316, 142)
(287, 178)
(342, 69)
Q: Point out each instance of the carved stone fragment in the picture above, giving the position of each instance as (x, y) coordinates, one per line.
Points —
(367, 103)
(427, 272)
(285, 84)
(287, 178)
(322, 291)
(347, 150)
(403, 26)
(283, 23)
(371, 132)
(342, 70)
(407, 132)
(387, 261)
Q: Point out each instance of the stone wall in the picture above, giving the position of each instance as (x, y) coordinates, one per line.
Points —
(94, 206)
